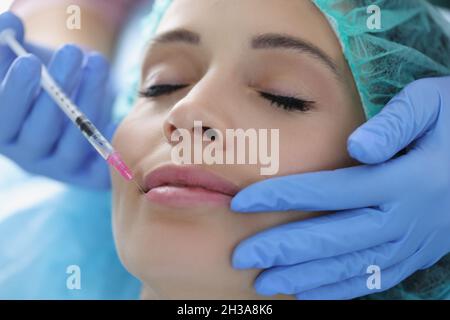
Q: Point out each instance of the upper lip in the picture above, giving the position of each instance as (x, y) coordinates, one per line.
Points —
(188, 176)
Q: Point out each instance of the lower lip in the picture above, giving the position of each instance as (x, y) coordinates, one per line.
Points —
(179, 197)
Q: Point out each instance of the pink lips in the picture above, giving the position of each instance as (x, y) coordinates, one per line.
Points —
(187, 186)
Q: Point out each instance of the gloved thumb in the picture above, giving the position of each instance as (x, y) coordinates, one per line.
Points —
(407, 117)
(9, 20)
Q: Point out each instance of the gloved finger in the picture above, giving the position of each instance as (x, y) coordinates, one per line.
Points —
(299, 242)
(406, 118)
(44, 54)
(46, 119)
(110, 129)
(104, 106)
(362, 285)
(93, 87)
(6, 59)
(314, 274)
(93, 170)
(9, 21)
(106, 116)
(7, 56)
(90, 98)
(347, 188)
(96, 171)
(17, 92)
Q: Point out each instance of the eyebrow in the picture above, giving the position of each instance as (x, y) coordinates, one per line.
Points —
(282, 41)
(178, 35)
(260, 42)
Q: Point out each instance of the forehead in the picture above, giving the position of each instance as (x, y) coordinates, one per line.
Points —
(237, 20)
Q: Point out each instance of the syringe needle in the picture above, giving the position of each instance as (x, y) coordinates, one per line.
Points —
(138, 186)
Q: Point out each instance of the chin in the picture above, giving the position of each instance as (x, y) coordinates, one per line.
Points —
(189, 258)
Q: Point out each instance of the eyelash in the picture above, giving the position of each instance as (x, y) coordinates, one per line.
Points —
(160, 90)
(286, 103)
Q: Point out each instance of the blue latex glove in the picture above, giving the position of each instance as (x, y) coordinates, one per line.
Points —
(394, 214)
(34, 132)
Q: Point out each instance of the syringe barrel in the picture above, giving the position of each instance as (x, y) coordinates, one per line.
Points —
(58, 96)
(94, 137)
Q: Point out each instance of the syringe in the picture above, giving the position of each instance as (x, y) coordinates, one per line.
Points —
(95, 138)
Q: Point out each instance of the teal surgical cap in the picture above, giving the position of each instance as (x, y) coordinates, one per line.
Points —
(410, 41)
(387, 43)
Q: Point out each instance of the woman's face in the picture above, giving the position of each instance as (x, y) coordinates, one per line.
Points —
(224, 54)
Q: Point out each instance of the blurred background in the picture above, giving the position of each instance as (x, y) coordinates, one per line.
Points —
(4, 4)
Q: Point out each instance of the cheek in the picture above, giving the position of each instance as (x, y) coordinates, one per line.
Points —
(139, 132)
(129, 138)
(316, 145)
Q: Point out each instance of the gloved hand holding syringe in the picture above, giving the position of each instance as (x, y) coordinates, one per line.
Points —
(95, 138)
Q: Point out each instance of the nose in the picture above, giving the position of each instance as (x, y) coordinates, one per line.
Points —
(201, 110)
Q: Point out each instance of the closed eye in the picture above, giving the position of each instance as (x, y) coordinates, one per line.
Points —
(288, 103)
(161, 90)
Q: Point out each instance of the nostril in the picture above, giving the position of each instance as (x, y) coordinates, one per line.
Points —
(170, 132)
(210, 133)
